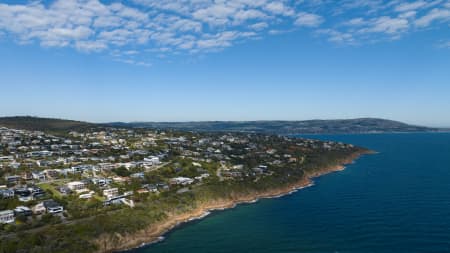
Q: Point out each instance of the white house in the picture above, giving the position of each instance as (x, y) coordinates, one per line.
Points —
(111, 193)
(76, 185)
(181, 180)
(38, 175)
(87, 195)
(7, 216)
(202, 176)
(152, 160)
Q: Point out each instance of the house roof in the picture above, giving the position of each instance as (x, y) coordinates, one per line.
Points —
(51, 203)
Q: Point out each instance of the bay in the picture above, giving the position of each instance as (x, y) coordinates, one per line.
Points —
(397, 200)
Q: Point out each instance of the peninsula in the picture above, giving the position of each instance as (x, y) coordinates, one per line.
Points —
(82, 187)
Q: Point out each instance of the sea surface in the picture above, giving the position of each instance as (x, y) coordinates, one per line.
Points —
(395, 201)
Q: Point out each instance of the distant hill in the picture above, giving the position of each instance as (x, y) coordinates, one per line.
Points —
(362, 125)
(42, 124)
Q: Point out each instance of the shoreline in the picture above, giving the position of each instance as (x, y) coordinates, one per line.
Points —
(155, 233)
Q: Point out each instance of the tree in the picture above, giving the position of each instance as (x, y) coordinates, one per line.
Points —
(122, 171)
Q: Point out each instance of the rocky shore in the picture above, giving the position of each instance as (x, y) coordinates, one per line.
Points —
(154, 233)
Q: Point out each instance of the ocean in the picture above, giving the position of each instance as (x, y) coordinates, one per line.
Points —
(397, 200)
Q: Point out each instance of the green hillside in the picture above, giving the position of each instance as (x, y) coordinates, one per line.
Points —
(42, 124)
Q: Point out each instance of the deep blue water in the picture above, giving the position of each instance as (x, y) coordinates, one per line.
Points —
(394, 201)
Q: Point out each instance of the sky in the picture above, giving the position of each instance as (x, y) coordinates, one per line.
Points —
(196, 60)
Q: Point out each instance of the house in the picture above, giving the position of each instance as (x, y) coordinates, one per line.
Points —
(106, 166)
(64, 190)
(152, 160)
(39, 209)
(162, 186)
(121, 199)
(7, 193)
(52, 206)
(6, 158)
(22, 210)
(38, 176)
(43, 163)
(120, 180)
(139, 175)
(87, 195)
(151, 188)
(12, 179)
(51, 173)
(36, 191)
(27, 176)
(202, 176)
(111, 193)
(76, 185)
(142, 191)
(101, 182)
(181, 181)
(7, 216)
(24, 194)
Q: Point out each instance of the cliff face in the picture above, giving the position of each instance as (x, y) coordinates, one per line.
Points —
(118, 242)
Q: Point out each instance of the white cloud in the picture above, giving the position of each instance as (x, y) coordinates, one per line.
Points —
(433, 15)
(356, 22)
(388, 25)
(410, 6)
(308, 19)
(279, 8)
(337, 36)
(90, 46)
(259, 26)
(156, 27)
(443, 44)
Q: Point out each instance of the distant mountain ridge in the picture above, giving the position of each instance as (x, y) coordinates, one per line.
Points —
(361, 125)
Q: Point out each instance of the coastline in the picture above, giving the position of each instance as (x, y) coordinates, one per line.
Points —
(156, 232)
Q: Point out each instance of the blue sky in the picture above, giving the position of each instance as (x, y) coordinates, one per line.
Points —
(181, 60)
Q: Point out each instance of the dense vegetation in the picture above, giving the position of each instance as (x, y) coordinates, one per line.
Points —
(42, 124)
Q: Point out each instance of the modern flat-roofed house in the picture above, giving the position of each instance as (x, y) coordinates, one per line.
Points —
(101, 182)
(181, 180)
(23, 210)
(111, 193)
(12, 179)
(76, 185)
(86, 195)
(6, 158)
(7, 193)
(152, 160)
(38, 175)
(7, 216)
(53, 207)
